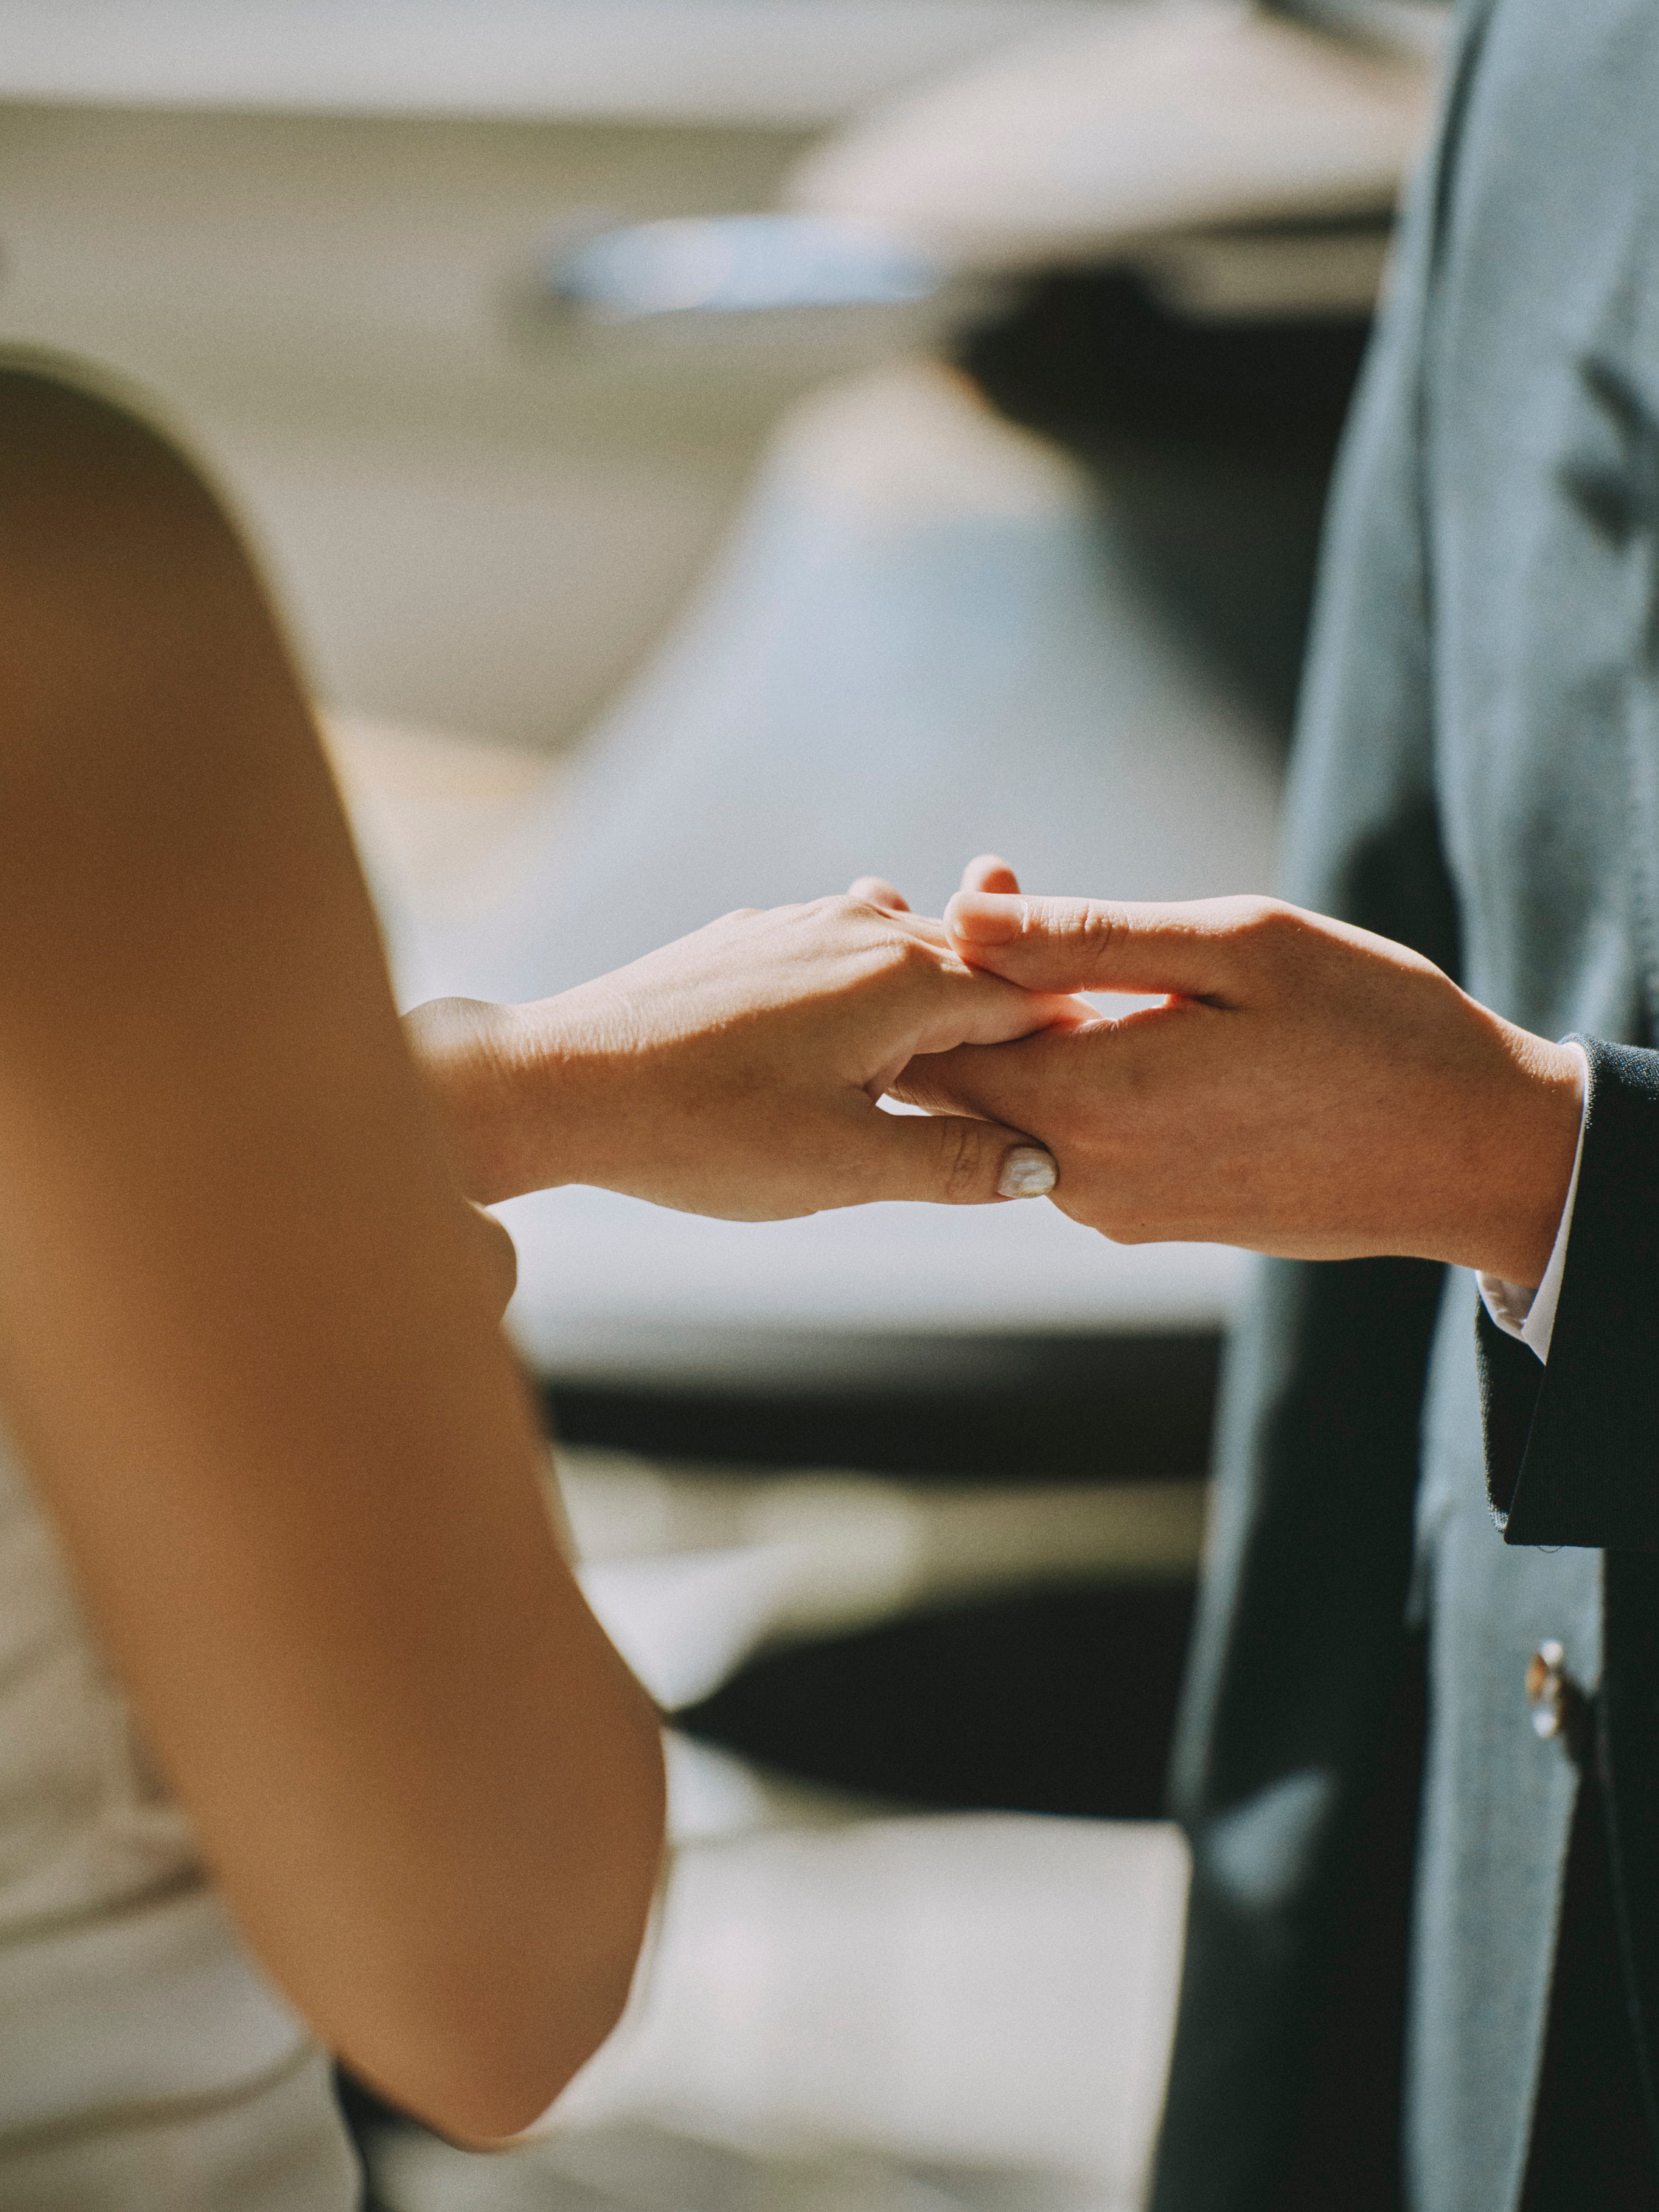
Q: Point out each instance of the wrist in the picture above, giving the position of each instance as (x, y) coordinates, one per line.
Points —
(1534, 1143)
(495, 1072)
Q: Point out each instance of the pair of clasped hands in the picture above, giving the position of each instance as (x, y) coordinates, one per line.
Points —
(1304, 1088)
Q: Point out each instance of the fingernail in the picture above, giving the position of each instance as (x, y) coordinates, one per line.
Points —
(1027, 1172)
(986, 917)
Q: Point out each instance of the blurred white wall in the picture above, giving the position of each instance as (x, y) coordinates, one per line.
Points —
(311, 233)
(723, 61)
(471, 530)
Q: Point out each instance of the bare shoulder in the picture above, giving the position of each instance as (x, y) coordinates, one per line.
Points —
(108, 527)
(66, 418)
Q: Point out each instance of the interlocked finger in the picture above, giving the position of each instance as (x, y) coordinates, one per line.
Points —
(875, 890)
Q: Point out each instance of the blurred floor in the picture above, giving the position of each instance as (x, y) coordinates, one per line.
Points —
(1017, 1406)
(696, 1571)
(644, 2168)
(850, 2009)
(1062, 1701)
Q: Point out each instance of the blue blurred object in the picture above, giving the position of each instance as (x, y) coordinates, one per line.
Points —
(741, 264)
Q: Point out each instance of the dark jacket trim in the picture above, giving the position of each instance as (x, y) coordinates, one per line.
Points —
(1573, 1448)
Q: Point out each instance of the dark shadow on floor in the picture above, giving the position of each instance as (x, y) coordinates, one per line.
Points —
(993, 1409)
(1059, 1702)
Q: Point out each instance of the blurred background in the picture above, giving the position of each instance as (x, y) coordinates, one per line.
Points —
(705, 450)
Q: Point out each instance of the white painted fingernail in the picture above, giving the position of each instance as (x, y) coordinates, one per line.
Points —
(1027, 1172)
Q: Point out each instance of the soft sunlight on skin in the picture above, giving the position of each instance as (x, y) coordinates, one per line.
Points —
(737, 1072)
(1305, 1089)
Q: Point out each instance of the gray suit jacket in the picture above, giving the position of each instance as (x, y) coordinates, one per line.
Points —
(1477, 773)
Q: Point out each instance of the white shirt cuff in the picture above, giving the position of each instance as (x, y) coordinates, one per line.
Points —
(1530, 1315)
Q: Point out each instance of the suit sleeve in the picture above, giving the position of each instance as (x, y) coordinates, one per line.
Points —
(1571, 1450)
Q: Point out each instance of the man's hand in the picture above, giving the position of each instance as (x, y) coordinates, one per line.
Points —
(737, 1072)
(1306, 1088)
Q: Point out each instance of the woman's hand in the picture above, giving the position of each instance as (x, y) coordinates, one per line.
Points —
(737, 1072)
(1307, 1088)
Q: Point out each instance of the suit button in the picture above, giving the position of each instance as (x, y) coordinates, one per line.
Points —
(1548, 1691)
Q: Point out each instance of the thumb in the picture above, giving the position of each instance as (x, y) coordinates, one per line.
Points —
(949, 1159)
(1090, 945)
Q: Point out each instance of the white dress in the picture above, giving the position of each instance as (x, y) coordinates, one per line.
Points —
(145, 2065)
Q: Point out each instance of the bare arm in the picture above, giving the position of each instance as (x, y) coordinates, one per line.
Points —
(248, 1329)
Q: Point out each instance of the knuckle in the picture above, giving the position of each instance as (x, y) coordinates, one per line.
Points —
(902, 958)
(852, 916)
(1093, 933)
(1270, 920)
(1273, 932)
(963, 1149)
(1255, 913)
(1090, 922)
